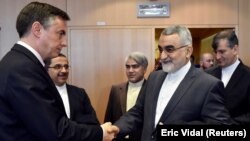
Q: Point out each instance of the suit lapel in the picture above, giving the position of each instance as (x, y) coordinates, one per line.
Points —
(19, 48)
(159, 81)
(179, 93)
(123, 96)
(236, 76)
(72, 100)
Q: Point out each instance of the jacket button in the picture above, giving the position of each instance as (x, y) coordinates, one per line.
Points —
(160, 123)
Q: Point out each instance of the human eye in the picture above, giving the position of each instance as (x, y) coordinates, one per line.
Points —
(170, 49)
(61, 33)
(58, 66)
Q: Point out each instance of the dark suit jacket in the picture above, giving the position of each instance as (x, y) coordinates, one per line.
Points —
(81, 110)
(199, 99)
(117, 107)
(31, 108)
(237, 93)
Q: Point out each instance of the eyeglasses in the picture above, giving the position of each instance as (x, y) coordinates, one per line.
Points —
(59, 67)
(169, 48)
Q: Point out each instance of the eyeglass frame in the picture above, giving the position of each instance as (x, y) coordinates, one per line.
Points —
(167, 48)
(59, 67)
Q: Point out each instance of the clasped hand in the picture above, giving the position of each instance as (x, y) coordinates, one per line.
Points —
(109, 131)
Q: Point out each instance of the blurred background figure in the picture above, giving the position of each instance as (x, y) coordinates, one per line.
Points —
(206, 61)
(123, 96)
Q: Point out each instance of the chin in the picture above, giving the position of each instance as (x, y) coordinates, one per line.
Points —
(167, 68)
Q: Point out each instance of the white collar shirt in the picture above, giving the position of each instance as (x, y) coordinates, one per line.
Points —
(168, 88)
(227, 72)
(38, 56)
(64, 95)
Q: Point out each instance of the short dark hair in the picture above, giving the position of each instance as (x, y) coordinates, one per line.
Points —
(36, 11)
(229, 35)
(47, 62)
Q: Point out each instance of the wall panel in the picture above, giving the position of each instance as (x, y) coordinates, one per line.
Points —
(123, 12)
(97, 59)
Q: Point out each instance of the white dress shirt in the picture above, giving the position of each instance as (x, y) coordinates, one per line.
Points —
(227, 72)
(38, 56)
(64, 95)
(168, 88)
(132, 93)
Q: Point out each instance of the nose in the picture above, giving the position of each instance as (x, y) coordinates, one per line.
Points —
(163, 55)
(130, 69)
(64, 69)
(218, 56)
(64, 42)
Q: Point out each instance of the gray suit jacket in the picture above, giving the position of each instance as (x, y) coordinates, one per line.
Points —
(199, 99)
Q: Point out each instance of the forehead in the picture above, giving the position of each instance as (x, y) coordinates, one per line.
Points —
(57, 22)
(59, 60)
(131, 61)
(173, 39)
(208, 56)
(222, 43)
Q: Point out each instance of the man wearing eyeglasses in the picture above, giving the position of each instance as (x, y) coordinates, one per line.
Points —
(76, 101)
(124, 95)
(177, 94)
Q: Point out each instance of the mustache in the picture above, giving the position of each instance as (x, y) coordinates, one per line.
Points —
(165, 61)
(63, 74)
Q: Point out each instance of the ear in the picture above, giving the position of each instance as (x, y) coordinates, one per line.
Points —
(236, 49)
(36, 29)
(189, 52)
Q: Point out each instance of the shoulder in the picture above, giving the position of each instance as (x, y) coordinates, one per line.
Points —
(213, 69)
(74, 90)
(120, 85)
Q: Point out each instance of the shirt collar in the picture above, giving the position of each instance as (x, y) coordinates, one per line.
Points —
(59, 88)
(232, 67)
(180, 73)
(137, 84)
(38, 56)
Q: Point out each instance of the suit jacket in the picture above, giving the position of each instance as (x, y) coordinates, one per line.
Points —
(31, 108)
(199, 99)
(237, 93)
(81, 110)
(117, 106)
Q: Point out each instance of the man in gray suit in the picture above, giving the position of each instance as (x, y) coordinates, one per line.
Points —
(234, 74)
(124, 95)
(177, 94)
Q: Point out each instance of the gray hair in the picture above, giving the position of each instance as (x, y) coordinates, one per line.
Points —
(139, 58)
(182, 31)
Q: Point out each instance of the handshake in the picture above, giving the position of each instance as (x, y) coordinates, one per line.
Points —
(109, 131)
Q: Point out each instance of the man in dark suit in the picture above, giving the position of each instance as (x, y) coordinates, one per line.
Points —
(124, 95)
(234, 74)
(76, 101)
(31, 108)
(177, 94)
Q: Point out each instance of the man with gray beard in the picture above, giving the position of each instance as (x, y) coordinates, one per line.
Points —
(177, 94)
